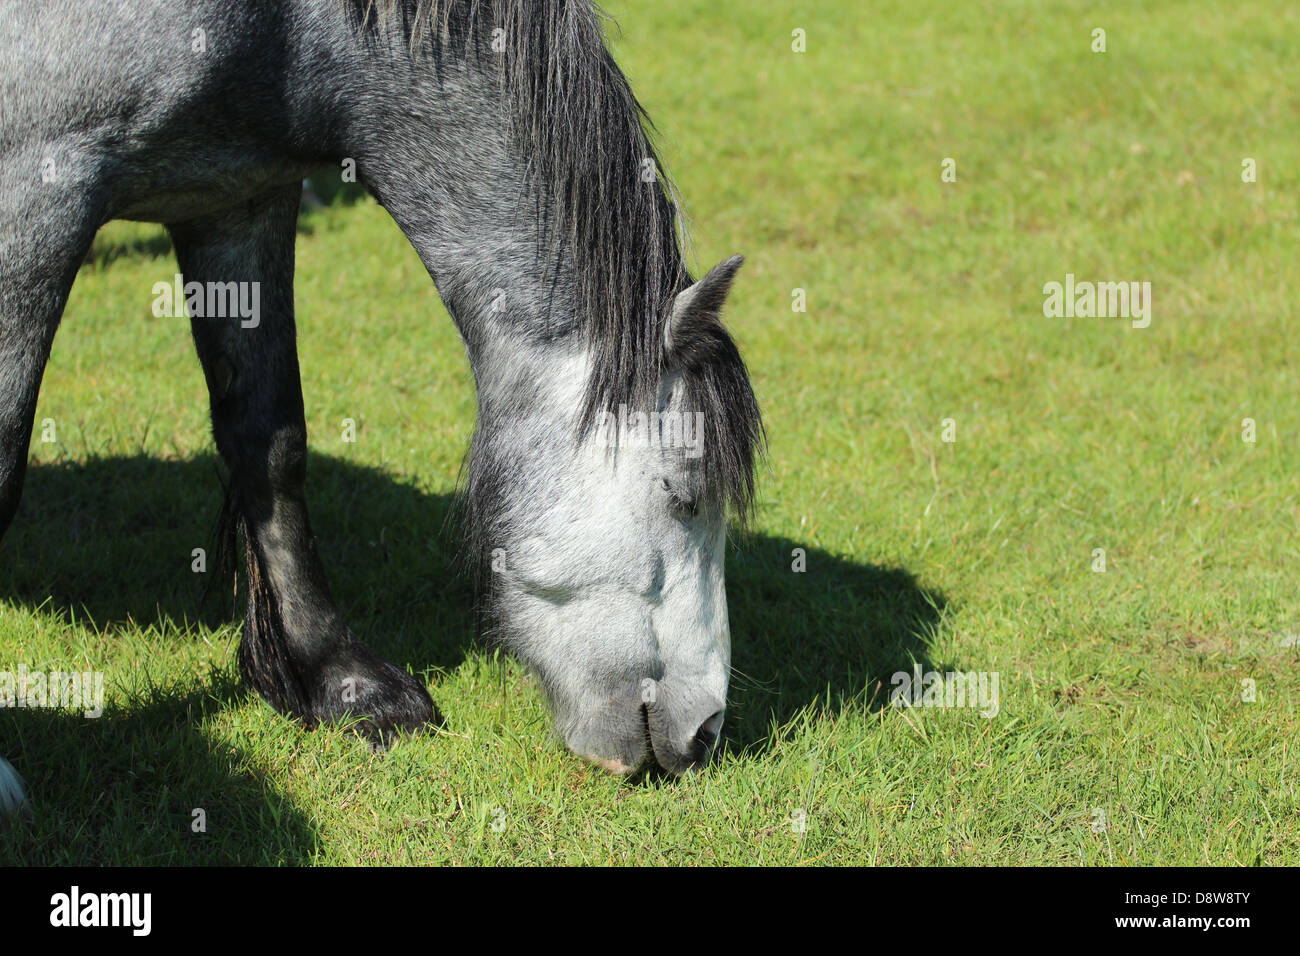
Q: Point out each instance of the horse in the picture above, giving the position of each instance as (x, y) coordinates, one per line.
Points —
(617, 428)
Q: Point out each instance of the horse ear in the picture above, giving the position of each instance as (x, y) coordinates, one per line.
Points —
(701, 302)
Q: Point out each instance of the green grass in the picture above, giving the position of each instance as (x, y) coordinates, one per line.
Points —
(1121, 691)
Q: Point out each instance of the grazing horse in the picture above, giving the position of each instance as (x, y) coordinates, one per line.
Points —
(616, 421)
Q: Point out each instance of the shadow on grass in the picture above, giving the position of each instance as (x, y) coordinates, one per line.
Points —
(123, 789)
(826, 636)
(111, 542)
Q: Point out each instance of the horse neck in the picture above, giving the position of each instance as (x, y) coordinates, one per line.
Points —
(437, 152)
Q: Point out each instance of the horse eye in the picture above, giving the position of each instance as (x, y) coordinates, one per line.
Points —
(680, 502)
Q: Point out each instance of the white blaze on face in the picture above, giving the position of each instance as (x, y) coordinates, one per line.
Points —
(694, 636)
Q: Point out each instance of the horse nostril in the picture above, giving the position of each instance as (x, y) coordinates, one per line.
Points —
(707, 736)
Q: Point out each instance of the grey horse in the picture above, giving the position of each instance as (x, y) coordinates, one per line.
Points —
(617, 426)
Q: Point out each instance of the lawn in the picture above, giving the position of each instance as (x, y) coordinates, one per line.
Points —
(1148, 704)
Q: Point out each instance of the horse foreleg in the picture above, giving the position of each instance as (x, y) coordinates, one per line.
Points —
(45, 230)
(296, 650)
(47, 222)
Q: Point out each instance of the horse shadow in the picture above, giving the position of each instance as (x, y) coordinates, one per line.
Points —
(811, 629)
(111, 542)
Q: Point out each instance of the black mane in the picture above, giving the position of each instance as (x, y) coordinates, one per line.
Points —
(585, 137)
